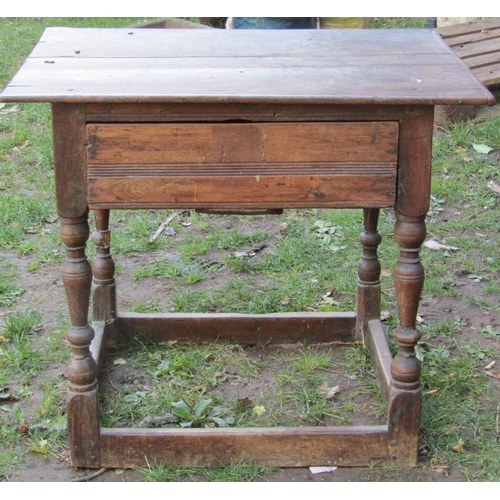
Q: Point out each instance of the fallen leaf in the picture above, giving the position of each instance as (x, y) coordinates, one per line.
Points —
(431, 393)
(493, 374)
(243, 403)
(329, 392)
(482, 148)
(384, 315)
(51, 219)
(22, 429)
(459, 448)
(321, 470)
(186, 223)
(285, 300)
(3, 339)
(434, 245)
(119, 362)
(495, 186)
(42, 447)
(259, 410)
(491, 365)
(13, 109)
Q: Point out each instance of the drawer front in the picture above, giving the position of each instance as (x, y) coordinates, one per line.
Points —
(245, 165)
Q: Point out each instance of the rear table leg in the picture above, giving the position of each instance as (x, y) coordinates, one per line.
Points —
(368, 295)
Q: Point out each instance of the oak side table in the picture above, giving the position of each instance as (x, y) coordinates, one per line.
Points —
(243, 120)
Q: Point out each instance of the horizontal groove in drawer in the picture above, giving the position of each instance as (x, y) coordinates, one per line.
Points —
(158, 143)
(235, 169)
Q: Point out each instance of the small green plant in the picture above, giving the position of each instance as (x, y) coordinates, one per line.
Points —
(329, 234)
(202, 414)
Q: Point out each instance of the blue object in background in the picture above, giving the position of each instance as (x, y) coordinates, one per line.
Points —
(248, 23)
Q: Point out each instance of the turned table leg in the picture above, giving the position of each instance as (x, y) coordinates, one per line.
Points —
(406, 397)
(82, 402)
(103, 269)
(68, 120)
(368, 295)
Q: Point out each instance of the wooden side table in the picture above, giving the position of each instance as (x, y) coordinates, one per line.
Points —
(231, 120)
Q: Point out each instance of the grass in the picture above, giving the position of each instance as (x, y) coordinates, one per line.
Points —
(299, 261)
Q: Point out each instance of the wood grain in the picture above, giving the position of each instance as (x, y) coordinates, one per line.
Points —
(70, 166)
(242, 143)
(202, 165)
(407, 66)
(281, 447)
(249, 329)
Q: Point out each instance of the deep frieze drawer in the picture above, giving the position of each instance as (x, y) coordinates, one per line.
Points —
(330, 164)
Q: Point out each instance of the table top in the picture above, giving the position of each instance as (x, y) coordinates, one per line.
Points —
(365, 66)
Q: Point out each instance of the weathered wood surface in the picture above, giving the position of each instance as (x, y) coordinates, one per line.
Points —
(368, 290)
(280, 446)
(243, 164)
(415, 161)
(477, 44)
(246, 329)
(70, 163)
(240, 112)
(242, 143)
(407, 66)
(380, 356)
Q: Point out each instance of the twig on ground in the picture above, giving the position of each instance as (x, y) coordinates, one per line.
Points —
(162, 226)
(89, 477)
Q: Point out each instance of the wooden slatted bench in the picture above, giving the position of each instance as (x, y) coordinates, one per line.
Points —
(477, 44)
(232, 119)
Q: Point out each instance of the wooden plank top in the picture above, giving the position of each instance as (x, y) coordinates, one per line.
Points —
(396, 66)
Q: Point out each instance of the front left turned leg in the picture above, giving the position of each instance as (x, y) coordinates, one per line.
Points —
(82, 402)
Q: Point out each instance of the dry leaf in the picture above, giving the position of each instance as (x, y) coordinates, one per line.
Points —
(493, 374)
(51, 219)
(434, 245)
(243, 403)
(459, 448)
(285, 300)
(119, 362)
(431, 393)
(495, 186)
(321, 470)
(491, 365)
(327, 391)
(384, 315)
(13, 109)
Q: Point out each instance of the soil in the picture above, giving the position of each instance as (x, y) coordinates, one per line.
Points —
(44, 291)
